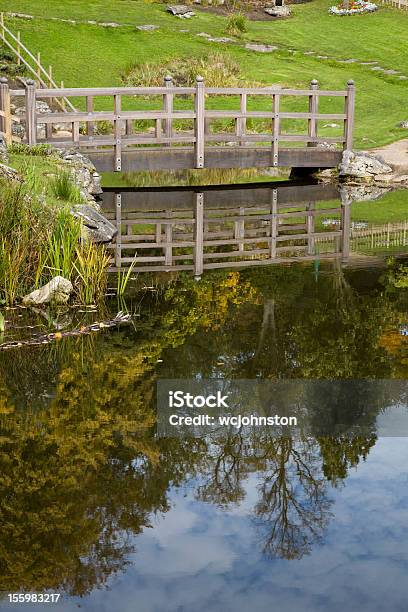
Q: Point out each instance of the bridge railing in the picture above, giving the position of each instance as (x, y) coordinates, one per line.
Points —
(197, 126)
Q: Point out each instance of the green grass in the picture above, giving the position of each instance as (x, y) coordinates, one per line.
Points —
(87, 55)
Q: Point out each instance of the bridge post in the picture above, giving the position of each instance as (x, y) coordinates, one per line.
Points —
(199, 123)
(31, 118)
(5, 107)
(118, 132)
(349, 112)
(168, 108)
(313, 109)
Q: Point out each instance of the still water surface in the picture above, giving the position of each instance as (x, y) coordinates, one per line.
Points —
(95, 506)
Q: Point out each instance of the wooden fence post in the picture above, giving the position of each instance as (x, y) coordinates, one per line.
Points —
(349, 112)
(5, 106)
(313, 110)
(31, 113)
(18, 48)
(168, 108)
(199, 123)
(199, 236)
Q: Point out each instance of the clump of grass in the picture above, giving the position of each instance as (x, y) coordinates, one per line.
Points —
(217, 69)
(39, 150)
(63, 187)
(91, 265)
(60, 249)
(236, 24)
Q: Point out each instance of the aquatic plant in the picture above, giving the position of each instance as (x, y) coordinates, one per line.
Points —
(91, 263)
(123, 279)
(62, 244)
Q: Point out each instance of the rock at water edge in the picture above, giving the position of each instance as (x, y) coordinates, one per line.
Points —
(57, 291)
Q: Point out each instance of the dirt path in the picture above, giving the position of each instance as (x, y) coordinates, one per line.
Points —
(395, 155)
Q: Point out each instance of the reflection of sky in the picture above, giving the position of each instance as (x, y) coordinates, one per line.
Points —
(199, 558)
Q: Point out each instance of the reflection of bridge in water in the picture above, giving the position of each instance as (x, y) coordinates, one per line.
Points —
(211, 227)
(195, 230)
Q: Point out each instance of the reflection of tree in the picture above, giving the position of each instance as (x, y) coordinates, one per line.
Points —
(293, 509)
(224, 471)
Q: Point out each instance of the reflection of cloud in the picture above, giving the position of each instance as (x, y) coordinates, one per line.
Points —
(202, 559)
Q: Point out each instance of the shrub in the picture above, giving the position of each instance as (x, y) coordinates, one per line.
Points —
(236, 24)
(217, 69)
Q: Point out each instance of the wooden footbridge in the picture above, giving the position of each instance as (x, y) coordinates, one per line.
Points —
(182, 128)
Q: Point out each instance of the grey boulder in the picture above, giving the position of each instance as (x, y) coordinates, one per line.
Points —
(278, 11)
(95, 228)
(57, 291)
(180, 10)
(362, 165)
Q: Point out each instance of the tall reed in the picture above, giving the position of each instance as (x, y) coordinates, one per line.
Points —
(91, 265)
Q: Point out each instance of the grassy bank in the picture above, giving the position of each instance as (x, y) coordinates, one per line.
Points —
(39, 237)
(91, 55)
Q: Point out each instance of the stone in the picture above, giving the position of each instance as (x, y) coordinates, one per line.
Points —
(403, 124)
(3, 150)
(180, 10)
(147, 28)
(277, 11)
(95, 228)
(57, 291)
(261, 48)
(221, 39)
(21, 15)
(9, 174)
(362, 165)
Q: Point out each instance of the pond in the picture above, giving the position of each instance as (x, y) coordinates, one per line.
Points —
(97, 506)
